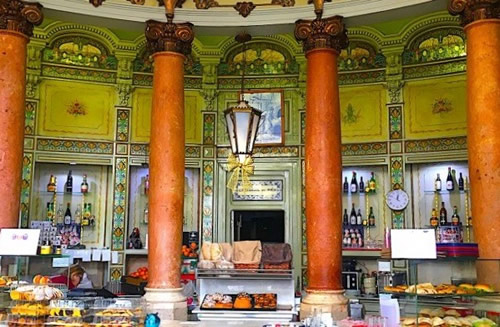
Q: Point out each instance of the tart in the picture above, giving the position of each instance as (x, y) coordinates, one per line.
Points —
(243, 301)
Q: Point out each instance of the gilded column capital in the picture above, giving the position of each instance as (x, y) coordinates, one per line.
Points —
(20, 16)
(322, 33)
(474, 10)
(169, 36)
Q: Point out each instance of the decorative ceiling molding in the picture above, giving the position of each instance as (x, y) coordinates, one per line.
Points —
(226, 17)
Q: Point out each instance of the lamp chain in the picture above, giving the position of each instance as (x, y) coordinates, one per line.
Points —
(243, 71)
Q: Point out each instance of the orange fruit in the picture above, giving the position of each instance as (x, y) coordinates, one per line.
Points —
(15, 295)
(36, 279)
(193, 245)
(44, 280)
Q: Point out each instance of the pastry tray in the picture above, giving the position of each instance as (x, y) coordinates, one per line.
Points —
(233, 296)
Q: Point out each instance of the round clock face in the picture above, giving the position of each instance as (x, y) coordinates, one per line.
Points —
(397, 200)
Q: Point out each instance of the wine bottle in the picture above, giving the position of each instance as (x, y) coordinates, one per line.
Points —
(85, 215)
(455, 219)
(60, 215)
(346, 185)
(67, 215)
(461, 184)
(359, 218)
(78, 215)
(450, 185)
(145, 215)
(69, 183)
(51, 186)
(84, 188)
(361, 185)
(434, 219)
(353, 218)
(437, 183)
(50, 212)
(372, 184)
(371, 218)
(345, 219)
(354, 183)
(146, 185)
(443, 219)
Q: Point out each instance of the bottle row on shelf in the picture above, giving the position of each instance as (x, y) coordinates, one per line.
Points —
(60, 217)
(68, 186)
(356, 219)
(354, 187)
(450, 181)
(443, 217)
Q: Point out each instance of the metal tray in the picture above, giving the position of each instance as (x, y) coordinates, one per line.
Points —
(233, 296)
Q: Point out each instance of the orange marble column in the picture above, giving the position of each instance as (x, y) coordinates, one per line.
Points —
(323, 39)
(171, 43)
(14, 37)
(481, 19)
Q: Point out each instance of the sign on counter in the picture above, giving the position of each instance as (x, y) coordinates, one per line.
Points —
(413, 244)
(19, 241)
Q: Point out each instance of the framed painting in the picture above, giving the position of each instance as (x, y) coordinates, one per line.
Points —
(271, 128)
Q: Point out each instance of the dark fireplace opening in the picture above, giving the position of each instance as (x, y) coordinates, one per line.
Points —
(264, 226)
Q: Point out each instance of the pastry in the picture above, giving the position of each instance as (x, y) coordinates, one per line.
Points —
(483, 288)
(452, 313)
(436, 321)
(243, 301)
(409, 322)
(426, 312)
(264, 301)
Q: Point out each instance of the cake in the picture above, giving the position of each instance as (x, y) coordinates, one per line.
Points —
(243, 301)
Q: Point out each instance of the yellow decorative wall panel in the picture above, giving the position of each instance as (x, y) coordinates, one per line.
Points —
(435, 108)
(77, 110)
(363, 114)
(141, 115)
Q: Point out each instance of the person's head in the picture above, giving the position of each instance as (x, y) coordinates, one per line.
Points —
(76, 275)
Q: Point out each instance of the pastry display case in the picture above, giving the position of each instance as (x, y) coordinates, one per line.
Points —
(257, 294)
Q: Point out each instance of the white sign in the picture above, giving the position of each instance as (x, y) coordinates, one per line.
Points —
(19, 241)
(61, 262)
(413, 244)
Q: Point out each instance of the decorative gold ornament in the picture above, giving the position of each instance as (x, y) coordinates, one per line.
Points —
(246, 168)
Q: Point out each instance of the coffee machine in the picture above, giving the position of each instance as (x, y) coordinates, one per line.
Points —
(351, 277)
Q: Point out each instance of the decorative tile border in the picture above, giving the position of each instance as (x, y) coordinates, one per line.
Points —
(209, 120)
(432, 145)
(258, 83)
(191, 151)
(190, 82)
(362, 149)
(119, 204)
(361, 77)
(29, 118)
(75, 146)
(26, 188)
(208, 201)
(208, 152)
(265, 151)
(395, 122)
(29, 143)
(79, 74)
(397, 181)
(122, 125)
(116, 273)
(435, 69)
(302, 127)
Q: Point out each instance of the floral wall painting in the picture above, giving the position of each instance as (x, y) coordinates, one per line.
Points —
(271, 128)
(350, 115)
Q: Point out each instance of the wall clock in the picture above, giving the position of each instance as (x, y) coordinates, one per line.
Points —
(397, 200)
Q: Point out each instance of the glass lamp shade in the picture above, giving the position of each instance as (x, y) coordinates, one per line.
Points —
(242, 125)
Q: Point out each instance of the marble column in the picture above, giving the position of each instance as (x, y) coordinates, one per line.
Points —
(17, 19)
(481, 21)
(171, 43)
(323, 39)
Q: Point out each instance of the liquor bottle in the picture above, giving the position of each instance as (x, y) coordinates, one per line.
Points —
(84, 188)
(60, 215)
(67, 215)
(78, 215)
(360, 241)
(50, 212)
(437, 183)
(146, 185)
(461, 184)
(455, 219)
(69, 183)
(434, 219)
(359, 218)
(346, 185)
(345, 219)
(372, 184)
(450, 185)
(371, 218)
(361, 185)
(354, 183)
(352, 217)
(85, 215)
(145, 216)
(443, 219)
(469, 221)
(51, 186)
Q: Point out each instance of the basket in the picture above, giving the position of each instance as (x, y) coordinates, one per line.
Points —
(277, 256)
(281, 266)
(247, 266)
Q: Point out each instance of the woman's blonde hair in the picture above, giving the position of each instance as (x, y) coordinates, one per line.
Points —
(76, 270)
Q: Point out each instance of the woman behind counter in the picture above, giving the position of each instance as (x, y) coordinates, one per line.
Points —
(77, 278)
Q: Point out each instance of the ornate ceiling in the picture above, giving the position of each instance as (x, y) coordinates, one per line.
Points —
(221, 13)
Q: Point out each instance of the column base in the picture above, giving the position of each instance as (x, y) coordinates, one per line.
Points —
(326, 301)
(169, 303)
